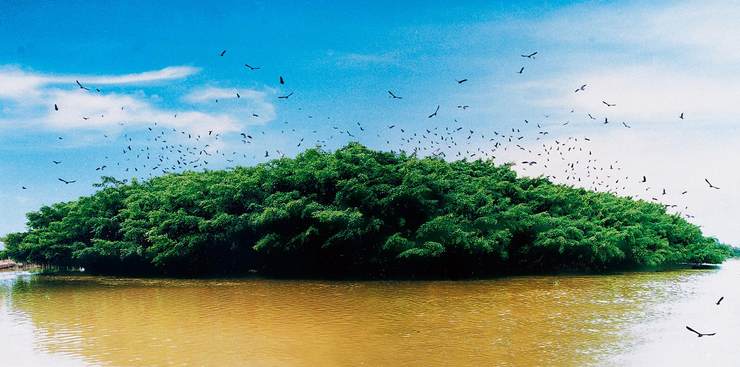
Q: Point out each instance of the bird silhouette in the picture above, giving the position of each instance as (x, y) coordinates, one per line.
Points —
(720, 300)
(286, 96)
(608, 104)
(461, 81)
(521, 70)
(394, 96)
(80, 85)
(435, 113)
(581, 88)
(710, 184)
(65, 181)
(252, 67)
(282, 81)
(223, 53)
(698, 333)
(530, 56)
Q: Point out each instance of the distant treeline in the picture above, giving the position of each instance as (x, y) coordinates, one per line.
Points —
(356, 213)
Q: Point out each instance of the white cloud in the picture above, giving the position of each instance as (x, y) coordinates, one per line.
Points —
(19, 84)
(168, 73)
(702, 30)
(249, 100)
(34, 96)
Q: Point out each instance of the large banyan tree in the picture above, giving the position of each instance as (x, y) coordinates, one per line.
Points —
(356, 212)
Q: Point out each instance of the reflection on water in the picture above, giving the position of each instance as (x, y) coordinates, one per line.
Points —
(631, 319)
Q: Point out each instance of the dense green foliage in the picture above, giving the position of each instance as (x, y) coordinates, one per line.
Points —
(356, 212)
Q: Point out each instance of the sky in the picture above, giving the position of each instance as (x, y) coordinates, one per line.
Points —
(159, 62)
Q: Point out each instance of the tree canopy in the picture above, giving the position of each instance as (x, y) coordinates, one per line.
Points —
(356, 212)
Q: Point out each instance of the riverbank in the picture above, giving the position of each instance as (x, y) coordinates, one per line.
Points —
(7, 264)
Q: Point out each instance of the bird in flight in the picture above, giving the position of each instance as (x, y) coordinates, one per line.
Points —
(698, 333)
(591, 117)
(435, 112)
(282, 81)
(644, 178)
(223, 53)
(56, 108)
(56, 162)
(581, 88)
(710, 184)
(625, 125)
(286, 96)
(81, 86)
(720, 300)
(681, 116)
(394, 96)
(521, 70)
(252, 67)
(461, 81)
(608, 104)
(65, 181)
(530, 56)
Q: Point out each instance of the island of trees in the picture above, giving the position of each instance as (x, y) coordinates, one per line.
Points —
(356, 212)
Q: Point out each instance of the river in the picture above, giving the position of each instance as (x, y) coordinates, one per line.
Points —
(632, 319)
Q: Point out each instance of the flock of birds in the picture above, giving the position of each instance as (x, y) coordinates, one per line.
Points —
(698, 334)
(567, 160)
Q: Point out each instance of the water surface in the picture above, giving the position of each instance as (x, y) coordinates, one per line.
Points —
(626, 319)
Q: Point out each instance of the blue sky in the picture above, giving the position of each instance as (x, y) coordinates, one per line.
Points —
(157, 60)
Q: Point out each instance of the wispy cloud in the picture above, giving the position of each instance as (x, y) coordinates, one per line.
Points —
(19, 84)
(34, 95)
(353, 59)
(654, 62)
(693, 29)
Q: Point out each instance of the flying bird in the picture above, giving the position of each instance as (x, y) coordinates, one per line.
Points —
(56, 108)
(65, 181)
(394, 96)
(252, 67)
(698, 333)
(56, 162)
(461, 81)
(681, 116)
(710, 184)
(282, 81)
(521, 70)
(286, 96)
(81, 86)
(223, 53)
(608, 104)
(530, 56)
(581, 88)
(435, 112)
(720, 300)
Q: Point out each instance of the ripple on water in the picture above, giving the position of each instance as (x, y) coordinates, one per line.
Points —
(538, 320)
